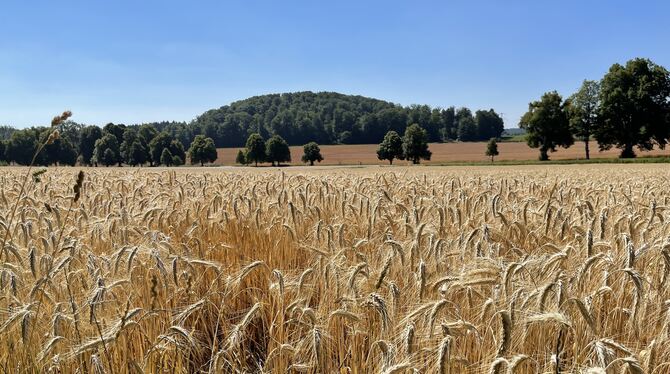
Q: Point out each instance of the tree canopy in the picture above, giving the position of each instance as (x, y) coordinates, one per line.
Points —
(583, 112)
(634, 107)
(255, 149)
(311, 153)
(391, 147)
(547, 125)
(107, 151)
(492, 148)
(277, 150)
(415, 144)
(202, 150)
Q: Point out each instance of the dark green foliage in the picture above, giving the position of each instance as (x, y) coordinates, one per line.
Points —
(547, 125)
(87, 139)
(3, 148)
(325, 117)
(255, 151)
(311, 153)
(391, 148)
(60, 152)
(415, 144)
(146, 133)
(492, 148)
(449, 129)
(467, 129)
(178, 152)
(137, 154)
(583, 112)
(202, 150)
(166, 157)
(157, 145)
(116, 130)
(107, 150)
(108, 157)
(277, 150)
(241, 158)
(22, 146)
(634, 107)
(489, 124)
(129, 137)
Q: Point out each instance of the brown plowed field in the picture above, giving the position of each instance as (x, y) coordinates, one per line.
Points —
(366, 154)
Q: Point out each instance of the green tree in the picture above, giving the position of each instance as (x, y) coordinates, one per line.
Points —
(129, 137)
(107, 142)
(241, 158)
(116, 130)
(492, 148)
(202, 150)
(178, 153)
(255, 149)
(277, 150)
(489, 124)
(109, 157)
(22, 146)
(391, 147)
(467, 129)
(546, 124)
(450, 129)
(89, 135)
(311, 153)
(634, 102)
(60, 152)
(137, 153)
(166, 157)
(415, 144)
(156, 146)
(3, 148)
(583, 112)
(146, 133)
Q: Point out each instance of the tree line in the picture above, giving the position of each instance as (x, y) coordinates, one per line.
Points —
(629, 107)
(72, 143)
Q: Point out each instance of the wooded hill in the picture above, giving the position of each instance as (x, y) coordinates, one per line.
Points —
(331, 118)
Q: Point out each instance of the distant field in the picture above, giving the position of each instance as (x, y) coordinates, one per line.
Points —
(442, 152)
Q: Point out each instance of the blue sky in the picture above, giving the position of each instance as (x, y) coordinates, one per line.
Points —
(139, 61)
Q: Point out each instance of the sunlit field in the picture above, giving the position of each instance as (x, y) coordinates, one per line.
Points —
(366, 154)
(331, 270)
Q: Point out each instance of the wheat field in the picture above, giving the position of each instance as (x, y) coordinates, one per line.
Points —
(372, 270)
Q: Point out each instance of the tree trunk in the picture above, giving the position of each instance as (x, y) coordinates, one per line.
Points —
(391, 161)
(202, 163)
(544, 156)
(627, 152)
(311, 163)
(491, 159)
(586, 148)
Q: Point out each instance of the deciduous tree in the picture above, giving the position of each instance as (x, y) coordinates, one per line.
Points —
(277, 150)
(634, 104)
(546, 124)
(391, 147)
(583, 112)
(255, 149)
(415, 144)
(311, 153)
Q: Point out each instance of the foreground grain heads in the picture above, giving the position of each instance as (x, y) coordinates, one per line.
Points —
(435, 270)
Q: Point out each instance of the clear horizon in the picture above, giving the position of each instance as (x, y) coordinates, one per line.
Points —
(130, 62)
